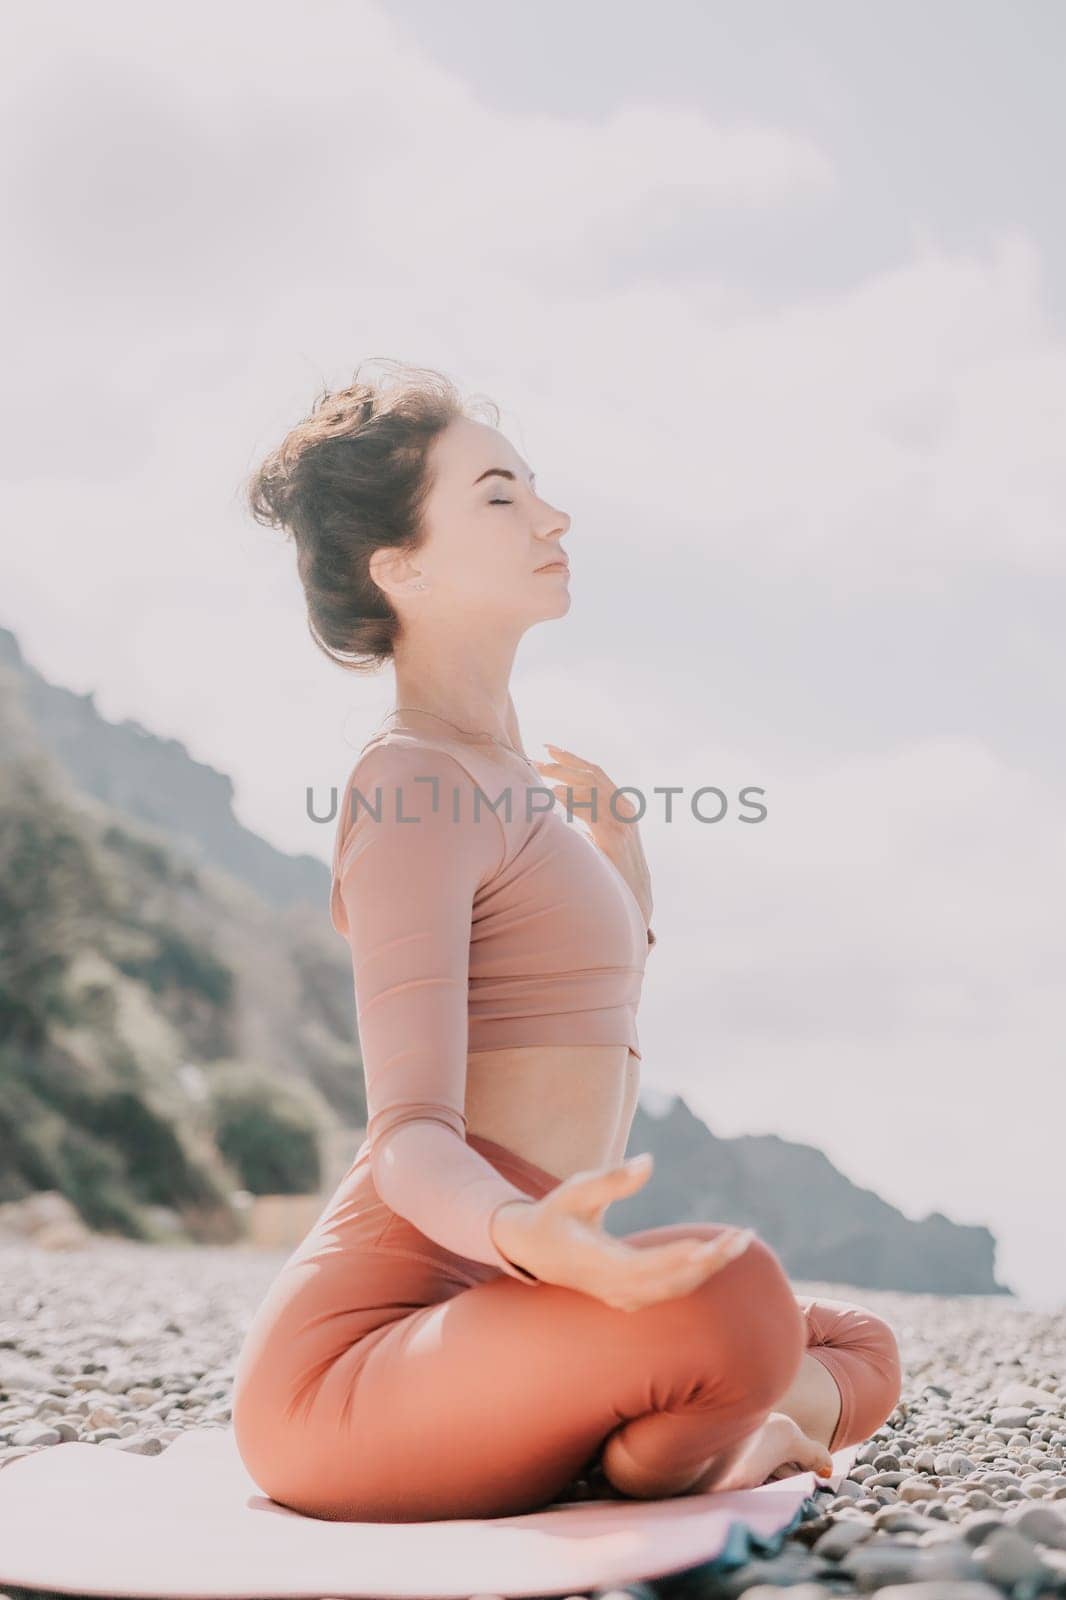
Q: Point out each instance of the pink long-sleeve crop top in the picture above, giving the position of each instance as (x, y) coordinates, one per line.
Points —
(478, 919)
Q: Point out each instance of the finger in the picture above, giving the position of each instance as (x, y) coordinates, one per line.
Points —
(570, 755)
(706, 1256)
(706, 1264)
(581, 788)
(576, 774)
(574, 777)
(567, 772)
(724, 1247)
(584, 1191)
(579, 793)
(578, 797)
(685, 1262)
(681, 1275)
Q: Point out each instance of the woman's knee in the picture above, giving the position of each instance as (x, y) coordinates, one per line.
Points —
(875, 1359)
(747, 1308)
(768, 1327)
(862, 1353)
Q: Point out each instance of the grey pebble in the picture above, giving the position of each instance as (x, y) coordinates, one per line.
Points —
(940, 1589)
(142, 1444)
(772, 1591)
(792, 1565)
(873, 1565)
(1007, 1557)
(34, 1434)
(1009, 1417)
(842, 1537)
(913, 1489)
(949, 1559)
(1041, 1524)
(899, 1519)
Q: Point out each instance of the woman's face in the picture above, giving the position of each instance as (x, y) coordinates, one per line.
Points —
(489, 534)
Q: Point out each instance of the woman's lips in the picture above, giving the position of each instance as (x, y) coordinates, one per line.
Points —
(555, 566)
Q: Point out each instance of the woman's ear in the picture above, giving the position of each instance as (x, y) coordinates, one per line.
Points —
(392, 571)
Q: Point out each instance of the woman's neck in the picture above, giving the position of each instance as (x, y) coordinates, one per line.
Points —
(463, 674)
(463, 717)
(423, 717)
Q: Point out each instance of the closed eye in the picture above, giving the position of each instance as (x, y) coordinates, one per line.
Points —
(501, 502)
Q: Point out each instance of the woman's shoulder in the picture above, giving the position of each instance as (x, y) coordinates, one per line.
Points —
(399, 753)
(410, 774)
(401, 749)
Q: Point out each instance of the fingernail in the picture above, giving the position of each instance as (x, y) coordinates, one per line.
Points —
(740, 1241)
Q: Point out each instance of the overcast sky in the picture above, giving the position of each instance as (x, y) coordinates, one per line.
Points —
(772, 300)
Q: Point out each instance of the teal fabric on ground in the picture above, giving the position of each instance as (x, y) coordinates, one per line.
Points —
(741, 1546)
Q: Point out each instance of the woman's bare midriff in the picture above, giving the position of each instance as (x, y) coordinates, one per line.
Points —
(566, 1108)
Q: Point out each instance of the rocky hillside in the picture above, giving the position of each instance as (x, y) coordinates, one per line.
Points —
(823, 1226)
(156, 781)
(166, 1036)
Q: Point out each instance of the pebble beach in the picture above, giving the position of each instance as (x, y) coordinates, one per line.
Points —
(961, 1495)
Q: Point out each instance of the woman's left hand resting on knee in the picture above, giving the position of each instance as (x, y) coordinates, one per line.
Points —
(560, 1239)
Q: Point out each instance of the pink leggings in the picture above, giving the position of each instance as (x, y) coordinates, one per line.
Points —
(407, 1383)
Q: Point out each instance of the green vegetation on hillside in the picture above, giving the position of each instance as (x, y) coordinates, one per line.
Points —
(123, 968)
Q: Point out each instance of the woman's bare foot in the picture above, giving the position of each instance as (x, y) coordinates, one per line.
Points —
(778, 1449)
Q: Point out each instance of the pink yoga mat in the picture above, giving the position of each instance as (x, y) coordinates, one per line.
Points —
(191, 1524)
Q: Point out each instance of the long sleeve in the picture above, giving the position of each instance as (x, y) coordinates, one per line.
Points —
(406, 872)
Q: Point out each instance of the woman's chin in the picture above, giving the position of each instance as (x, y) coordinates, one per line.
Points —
(557, 605)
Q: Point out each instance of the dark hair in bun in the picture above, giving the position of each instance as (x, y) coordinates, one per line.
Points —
(352, 477)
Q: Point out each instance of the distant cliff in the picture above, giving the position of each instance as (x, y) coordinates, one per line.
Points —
(152, 947)
(823, 1226)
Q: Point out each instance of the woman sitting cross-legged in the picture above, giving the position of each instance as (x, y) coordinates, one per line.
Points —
(458, 1335)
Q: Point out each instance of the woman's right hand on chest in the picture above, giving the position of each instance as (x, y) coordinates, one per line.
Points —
(560, 1239)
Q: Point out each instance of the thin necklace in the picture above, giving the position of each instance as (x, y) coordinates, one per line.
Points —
(469, 732)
